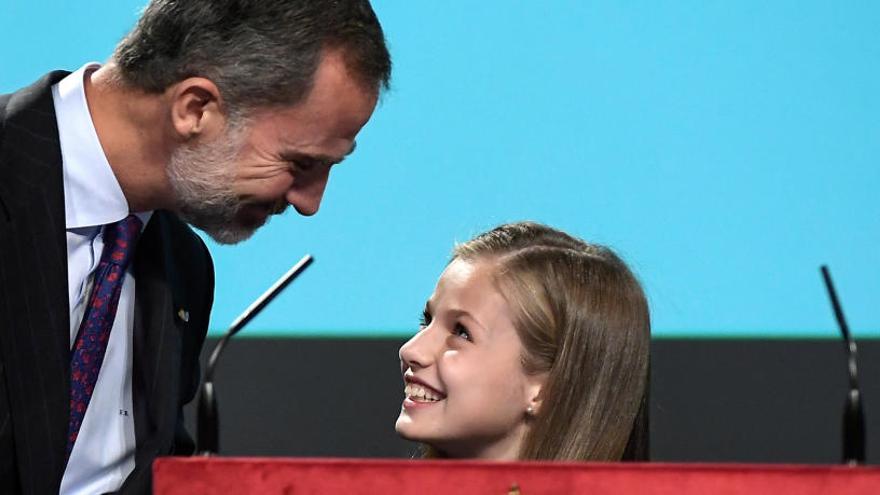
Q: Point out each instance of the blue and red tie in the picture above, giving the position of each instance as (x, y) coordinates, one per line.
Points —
(94, 331)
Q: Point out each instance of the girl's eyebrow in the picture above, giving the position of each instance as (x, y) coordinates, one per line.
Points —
(458, 312)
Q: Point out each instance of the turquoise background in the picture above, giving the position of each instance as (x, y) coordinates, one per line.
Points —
(725, 149)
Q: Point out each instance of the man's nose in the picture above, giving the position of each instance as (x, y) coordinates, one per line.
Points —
(306, 195)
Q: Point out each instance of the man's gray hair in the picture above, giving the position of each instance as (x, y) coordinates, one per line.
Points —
(259, 53)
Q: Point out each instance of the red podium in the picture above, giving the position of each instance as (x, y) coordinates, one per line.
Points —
(252, 476)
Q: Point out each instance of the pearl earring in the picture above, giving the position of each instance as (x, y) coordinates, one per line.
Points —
(530, 411)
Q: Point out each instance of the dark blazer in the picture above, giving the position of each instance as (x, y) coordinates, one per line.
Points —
(173, 271)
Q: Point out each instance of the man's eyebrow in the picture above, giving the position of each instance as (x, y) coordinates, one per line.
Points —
(338, 159)
(331, 159)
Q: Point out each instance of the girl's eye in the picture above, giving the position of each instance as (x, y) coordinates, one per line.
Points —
(424, 320)
(461, 331)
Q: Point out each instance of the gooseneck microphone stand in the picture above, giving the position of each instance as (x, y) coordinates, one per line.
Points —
(207, 430)
(853, 412)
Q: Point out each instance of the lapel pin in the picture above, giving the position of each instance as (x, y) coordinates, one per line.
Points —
(183, 315)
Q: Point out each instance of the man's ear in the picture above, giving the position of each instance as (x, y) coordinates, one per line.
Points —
(196, 109)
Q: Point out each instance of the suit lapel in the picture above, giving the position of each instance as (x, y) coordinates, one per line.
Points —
(34, 313)
(157, 344)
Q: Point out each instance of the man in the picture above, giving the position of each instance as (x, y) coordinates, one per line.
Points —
(218, 113)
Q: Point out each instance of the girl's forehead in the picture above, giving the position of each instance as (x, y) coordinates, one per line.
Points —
(464, 278)
(468, 287)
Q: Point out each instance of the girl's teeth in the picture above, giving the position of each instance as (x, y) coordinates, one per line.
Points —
(420, 393)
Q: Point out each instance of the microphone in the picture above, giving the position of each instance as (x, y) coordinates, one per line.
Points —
(207, 429)
(853, 412)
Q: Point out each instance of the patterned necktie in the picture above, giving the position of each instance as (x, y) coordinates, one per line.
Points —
(94, 331)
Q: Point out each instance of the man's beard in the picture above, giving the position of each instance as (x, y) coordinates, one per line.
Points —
(202, 178)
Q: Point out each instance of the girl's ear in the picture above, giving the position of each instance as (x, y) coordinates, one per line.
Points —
(534, 392)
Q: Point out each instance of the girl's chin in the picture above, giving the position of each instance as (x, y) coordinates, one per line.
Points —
(408, 429)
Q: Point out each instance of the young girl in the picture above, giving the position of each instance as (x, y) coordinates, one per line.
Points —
(534, 345)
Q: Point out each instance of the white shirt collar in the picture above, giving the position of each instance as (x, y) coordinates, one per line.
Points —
(92, 195)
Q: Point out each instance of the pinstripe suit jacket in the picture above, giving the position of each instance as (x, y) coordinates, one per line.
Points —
(173, 271)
